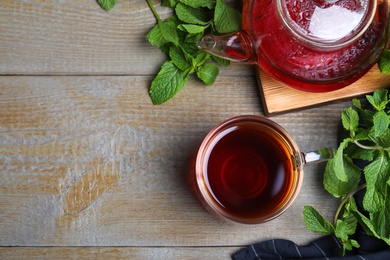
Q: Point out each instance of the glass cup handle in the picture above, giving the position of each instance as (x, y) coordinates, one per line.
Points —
(316, 156)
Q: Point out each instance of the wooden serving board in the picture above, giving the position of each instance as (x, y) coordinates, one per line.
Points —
(278, 98)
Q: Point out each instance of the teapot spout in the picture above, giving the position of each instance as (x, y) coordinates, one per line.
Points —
(234, 47)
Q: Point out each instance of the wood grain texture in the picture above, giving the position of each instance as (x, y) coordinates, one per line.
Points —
(118, 253)
(75, 37)
(79, 38)
(89, 161)
(89, 168)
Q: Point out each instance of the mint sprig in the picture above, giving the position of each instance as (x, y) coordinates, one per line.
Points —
(195, 17)
(177, 36)
(368, 141)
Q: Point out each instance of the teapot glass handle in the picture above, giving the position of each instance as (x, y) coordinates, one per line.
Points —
(234, 47)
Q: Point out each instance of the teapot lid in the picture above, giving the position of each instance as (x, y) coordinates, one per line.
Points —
(327, 23)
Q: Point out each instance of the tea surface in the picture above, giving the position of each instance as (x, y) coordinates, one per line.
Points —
(248, 171)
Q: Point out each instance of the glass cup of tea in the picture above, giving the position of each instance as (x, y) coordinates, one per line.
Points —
(249, 170)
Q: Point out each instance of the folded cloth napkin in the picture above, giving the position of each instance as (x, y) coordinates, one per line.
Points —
(327, 247)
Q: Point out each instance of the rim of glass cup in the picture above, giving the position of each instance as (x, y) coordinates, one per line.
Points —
(205, 194)
(336, 43)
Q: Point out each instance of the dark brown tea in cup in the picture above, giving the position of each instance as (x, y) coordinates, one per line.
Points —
(247, 170)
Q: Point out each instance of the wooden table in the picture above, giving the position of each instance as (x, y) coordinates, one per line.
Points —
(89, 168)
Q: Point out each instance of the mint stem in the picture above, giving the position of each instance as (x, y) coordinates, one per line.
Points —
(154, 11)
(368, 147)
(345, 200)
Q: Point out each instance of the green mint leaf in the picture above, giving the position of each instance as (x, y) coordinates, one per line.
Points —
(364, 113)
(364, 134)
(226, 18)
(339, 167)
(362, 154)
(368, 226)
(341, 175)
(194, 37)
(349, 208)
(315, 222)
(356, 102)
(349, 222)
(189, 47)
(210, 4)
(167, 83)
(339, 231)
(381, 123)
(344, 229)
(107, 4)
(191, 15)
(221, 61)
(334, 185)
(379, 99)
(371, 139)
(350, 120)
(381, 219)
(201, 58)
(169, 3)
(377, 174)
(354, 243)
(378, 223)
(179, 58)
(349, 217)
(349, 244)
(155, 37)
(365, 223)
(207, 73)
(384, 62)
(192, 28)
(168, 31)
(347, 225)
(163, 32)
(383, 140)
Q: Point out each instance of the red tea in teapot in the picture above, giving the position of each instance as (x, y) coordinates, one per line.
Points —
(313, 53)
(311, 45)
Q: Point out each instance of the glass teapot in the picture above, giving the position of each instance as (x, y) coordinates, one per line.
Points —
(310, 45)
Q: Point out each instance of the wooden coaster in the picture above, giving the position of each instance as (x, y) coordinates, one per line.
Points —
(278, 98)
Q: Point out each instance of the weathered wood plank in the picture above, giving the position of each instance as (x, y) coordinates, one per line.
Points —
(117, 253)
(89, 161)
(80, 38)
